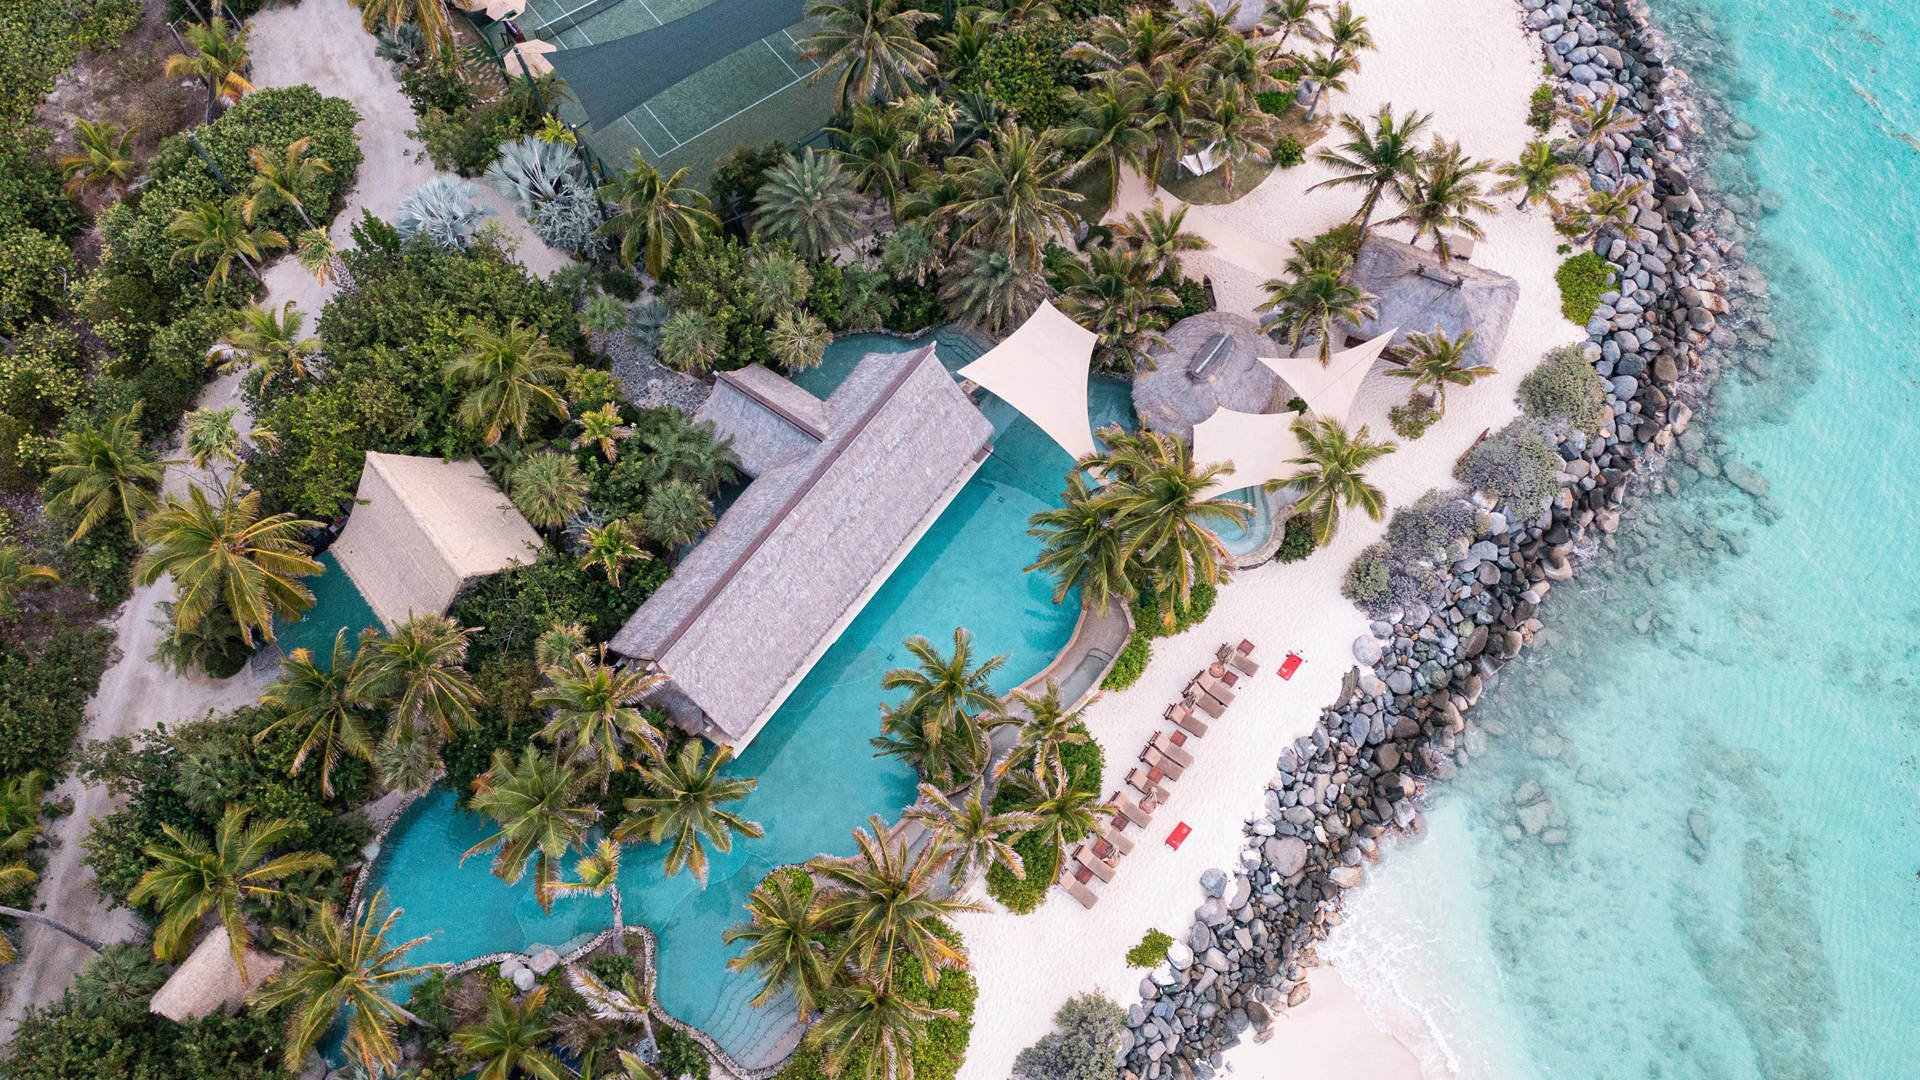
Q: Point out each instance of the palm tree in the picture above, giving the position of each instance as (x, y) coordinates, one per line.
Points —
(280, 181)
(974, 837)
(1347, 33)
(598, 874)
(1108, 132)
(877, 145)
(809, 202)
(692, 341)
(1242, 67)
(537, 804)
(885, 1023)
(13, 878)
(1373, 158)
(683, 808)
(418, 668)
(654, 214)
(1048, 727)
(318, 256)
(1534, 174)
(872, 44)
(1145, 39)
(611, 547)
(272, 344)
(17, 575)
(1081, 547)
(884, 902)
(1609, 210)
(676, 514)
(1010, 194)
(191, 879)
(1174, 96)
(98, 472)
(335, 964)
(1314, 301)
(1159, 237)
(509, 1042)
(211, 438)
(1328, 72)
(786, 935)
(103, 156)
(1065, 807)
(512, 374)
(626, 1001)
(1438, 361)
(408, 760)
(1331, 476)
(1114, 293)
(1235, 128)
(1595, 123)
(602, 429)
(945, 694)
(430, 16)
(798, 339)
(594, 719)
(1290, 17)
(992, 290)
(677, 448)
(228, 555)
(549, 487)
(217, 229)
(1443, 195)
(219, 56)
(327, 706)
(1168, 524)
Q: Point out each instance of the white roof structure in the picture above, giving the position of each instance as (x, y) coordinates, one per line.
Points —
(423, 528)
(1041, 369)
(1261, 447)
(1330, 390)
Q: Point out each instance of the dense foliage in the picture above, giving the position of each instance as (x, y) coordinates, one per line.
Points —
(1151, 950)
(39, 38)
(1083, 1044)
(1515, 465)
(92, 1034)
(1565, 390)
(1296, 540)
(1085, 763)
(941, 1049)
(1582, 279)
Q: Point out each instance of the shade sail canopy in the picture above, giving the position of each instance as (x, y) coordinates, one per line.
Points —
(1041, 369)
(613, 78)
(1329, 390)
(1260, 446)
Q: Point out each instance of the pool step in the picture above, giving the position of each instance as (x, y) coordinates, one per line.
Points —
(754, 1037)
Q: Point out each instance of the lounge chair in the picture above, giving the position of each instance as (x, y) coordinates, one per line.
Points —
(1131, 810)
(1155, 759)
(1245, 648)
(1182, 714)
(1120, 843)
(1092, 862)
(1242, 663)
(1214, 688)
(1086, 896)
(1206, 703)
(1164, 744)
(1145, 785)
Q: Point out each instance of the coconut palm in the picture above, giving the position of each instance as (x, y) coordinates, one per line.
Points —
(511, 374)
(885, 903)
(676, 514)
(945, 694)
(1314, 300)
(1145, 39)
(597, 873)
(786, 934)
(218, 230)
(594, 721)
(1065, 807)
(798, 339)
(419, 668)
(809, 202)
(1290, 17)
(211, 438)
(683, 808)
(549, 487)
(1346, 32)
(509, 1042)
(1107, 132)
(1157, 502)
(1235, 127)
(191, 879)
(326, 706)
(102, 157)
(655, 216)
(539, 805)
(1331, 474)
(334, 963)
(103, 471)
(1174, 96)
(1158, 236)
(1082, 548)
(1114, 293)
(20, 810)
(272, 344)
(611, 547)
(1436, 361)
(883, 1022)
(626, 1001)
(870, 47)
(427, 16)
(280, 181)
(318, 256)
(1242, 67)
(14, 878)
(1596, 122)
(877, 146)
(1010, 195)
(992, 290)
(1534, 174)
(1048, 727)
(974, 837)
(602, 428)
(1443, 195)
(1374, 157)
(1609, 210)
(408, 760)
(218, 58)
(1328, 71)
(228, 555)
(18, 574)
(676, 448)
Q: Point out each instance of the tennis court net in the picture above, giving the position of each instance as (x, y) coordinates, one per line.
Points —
(568, 20)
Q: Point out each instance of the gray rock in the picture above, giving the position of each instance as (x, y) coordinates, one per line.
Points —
(1366, 649)
(1214, 882)
(1400, 681)
(1534, 817)
(524, 980)
(1286, 855)
(1239, 892)
(543, 961)
(1746, 478)
(1347, 877)
(1215, 959)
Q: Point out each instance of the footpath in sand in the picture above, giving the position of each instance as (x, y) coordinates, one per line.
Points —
(1469, 63)
(319, 43)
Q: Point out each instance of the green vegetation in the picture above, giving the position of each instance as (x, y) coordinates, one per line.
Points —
(1078, 787)
(1366, 579)
(1540, 108)
(1515, 465)
(1151, 950)
(1582, 279)
(1296, 540)
(1082, 1045)
(1565, 389)
(1132, 661)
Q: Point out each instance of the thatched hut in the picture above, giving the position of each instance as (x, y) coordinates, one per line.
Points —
(1415, 294)
(208, 981)
(1210, 362)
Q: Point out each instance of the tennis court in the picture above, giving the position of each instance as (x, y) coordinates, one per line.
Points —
(755, 94)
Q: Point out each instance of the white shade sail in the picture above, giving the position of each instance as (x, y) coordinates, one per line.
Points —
(1260, 446)
(1329, 390)
(1041, 369)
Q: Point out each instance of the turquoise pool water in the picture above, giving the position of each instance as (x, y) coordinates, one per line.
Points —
(818, 777)
(1242, 540)
(1725, 712)
(337, 605)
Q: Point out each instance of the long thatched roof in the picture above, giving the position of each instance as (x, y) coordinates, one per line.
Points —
(1416, 295)
(803, 548)
(208, 981)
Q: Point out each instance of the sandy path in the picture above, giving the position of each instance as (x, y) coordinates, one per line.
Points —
(318, 43)
(1029, 965)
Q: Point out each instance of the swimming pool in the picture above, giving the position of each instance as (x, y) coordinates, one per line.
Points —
(1243, 540)
(337, 605)
(818, 777)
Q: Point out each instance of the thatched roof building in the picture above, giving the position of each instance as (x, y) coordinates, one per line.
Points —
(843, 489)
(1414, 293)
(424, 528)
(208, 981)
(1211, 361)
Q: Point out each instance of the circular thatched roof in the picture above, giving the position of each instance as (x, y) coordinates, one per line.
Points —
(1170, 398)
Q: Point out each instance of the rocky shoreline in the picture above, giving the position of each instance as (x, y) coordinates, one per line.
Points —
(1685, 304)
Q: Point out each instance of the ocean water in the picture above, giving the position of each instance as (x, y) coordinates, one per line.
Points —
(1726, 881)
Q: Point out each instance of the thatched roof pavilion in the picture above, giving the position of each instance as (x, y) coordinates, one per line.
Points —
(207, 981)
(1415, 294)
(1211, 361)
(423, 529)
(844, 488)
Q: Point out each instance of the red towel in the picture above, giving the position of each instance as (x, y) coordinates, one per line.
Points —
(1292, 665)
(1178, 835)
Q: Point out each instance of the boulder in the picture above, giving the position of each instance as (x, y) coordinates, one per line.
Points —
(543, 961)
(1366, 649)
(524, 980)
(1286, 855)
(1214, 882)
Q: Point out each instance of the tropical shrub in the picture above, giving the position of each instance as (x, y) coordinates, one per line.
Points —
(44, 687)
(680, 1055)
(1039, 856)
(1565, 389)
(516, 606)
(88, 1037)
(940, 1050)
(737, 180)
(1083, 1044)
(40, 38)
(1296, 540)
(1582, 279)
(1132, 661)
(1515, 465)
(1151, 950)
(1023, 67)
(1193, 300)
(1288, 151)
(1274, 102)
(1540, 110)
(1367, 579)
(1431, 527)
(443, 211)
(1411, 419)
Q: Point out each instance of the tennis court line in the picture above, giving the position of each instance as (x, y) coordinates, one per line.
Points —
(782, 59)
(739, 113)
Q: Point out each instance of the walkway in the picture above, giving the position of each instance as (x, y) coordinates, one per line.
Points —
(319, 43)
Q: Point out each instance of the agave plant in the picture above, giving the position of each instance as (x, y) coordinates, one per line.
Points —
(444, 210)
(570, 221)
(532, 172)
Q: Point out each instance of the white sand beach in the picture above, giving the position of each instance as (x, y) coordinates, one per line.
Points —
(1328, 1038)
(1470, 64)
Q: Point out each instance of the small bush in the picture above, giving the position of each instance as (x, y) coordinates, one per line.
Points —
(1514, 464)
(1411, 420)
(1288, 152)
(1274, 102)
(680, 1055)
(1565, 389)
(1082, 1045)
(1366, 579)
(1151, 950)
(1193, 300)
(1582, 279)
(1041, 859)
(1131, 663)
(1540, 107)
(1296, 540)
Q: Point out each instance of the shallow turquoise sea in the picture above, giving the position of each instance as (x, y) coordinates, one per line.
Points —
(1723, 714)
